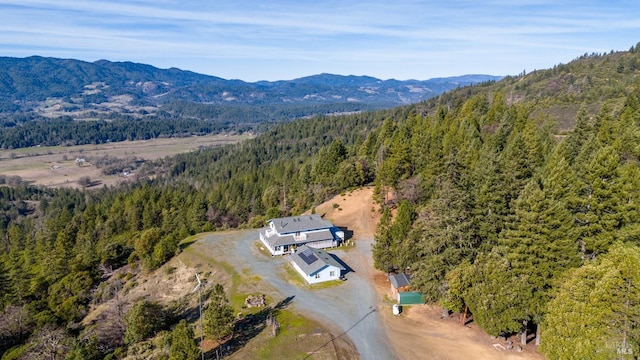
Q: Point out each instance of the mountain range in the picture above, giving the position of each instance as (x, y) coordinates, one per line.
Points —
(55, 87)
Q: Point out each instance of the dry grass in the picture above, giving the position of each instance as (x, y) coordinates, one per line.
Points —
(56, 166)
(174, 282)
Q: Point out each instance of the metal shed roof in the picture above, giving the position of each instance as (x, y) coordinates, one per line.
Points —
(410, 298)
(400, 280)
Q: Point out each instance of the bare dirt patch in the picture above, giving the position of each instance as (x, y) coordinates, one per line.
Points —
(419, 332)
(353, 210)
(64, 166)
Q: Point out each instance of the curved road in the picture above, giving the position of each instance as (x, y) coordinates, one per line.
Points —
(351, 306)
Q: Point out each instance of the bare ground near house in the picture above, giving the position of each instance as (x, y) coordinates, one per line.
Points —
(172, 286)
(420, 332)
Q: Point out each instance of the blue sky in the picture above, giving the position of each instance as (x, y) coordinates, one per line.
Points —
(286, 39)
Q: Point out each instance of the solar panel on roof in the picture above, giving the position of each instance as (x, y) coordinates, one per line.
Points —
(308, 256)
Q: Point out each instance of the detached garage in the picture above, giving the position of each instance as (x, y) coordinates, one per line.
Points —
(316, 265)
(410, 298)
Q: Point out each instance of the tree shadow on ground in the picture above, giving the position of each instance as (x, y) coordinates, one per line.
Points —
(283, 304)
(248, 327)
(189, 313)
(93, 183)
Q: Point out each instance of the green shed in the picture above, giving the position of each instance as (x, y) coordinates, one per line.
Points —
(410, 298)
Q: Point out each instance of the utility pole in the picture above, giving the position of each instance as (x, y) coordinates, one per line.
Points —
(199, 288)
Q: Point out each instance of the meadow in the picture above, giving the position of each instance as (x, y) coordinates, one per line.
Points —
(83, 165)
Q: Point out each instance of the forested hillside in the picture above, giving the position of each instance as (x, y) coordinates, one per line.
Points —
(56, 244)
(490, 201)
(26, 81)
(92, 103)
(527, 228)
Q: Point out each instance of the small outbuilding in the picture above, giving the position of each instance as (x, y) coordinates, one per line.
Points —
(399, 283)
(410, 298)
(316, 265)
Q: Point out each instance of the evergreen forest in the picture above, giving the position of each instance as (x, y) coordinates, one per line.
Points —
(516, 201)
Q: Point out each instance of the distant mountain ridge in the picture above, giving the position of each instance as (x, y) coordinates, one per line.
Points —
(53, 86)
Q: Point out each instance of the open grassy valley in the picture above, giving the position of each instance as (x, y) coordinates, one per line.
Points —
(98, 165)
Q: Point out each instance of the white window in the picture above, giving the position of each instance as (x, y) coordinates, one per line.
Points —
(332, 273)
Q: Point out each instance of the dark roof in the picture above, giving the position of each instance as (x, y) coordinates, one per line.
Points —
(293, 224)
(311, 260)
(400, 280)
(275, 240)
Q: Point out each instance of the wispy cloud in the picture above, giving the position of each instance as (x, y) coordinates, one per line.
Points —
(257, 39)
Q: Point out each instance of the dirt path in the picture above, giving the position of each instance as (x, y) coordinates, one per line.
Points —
(360, 307)
(350, 307)
(419, 333)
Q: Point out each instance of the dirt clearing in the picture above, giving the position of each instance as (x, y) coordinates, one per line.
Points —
(419, 332)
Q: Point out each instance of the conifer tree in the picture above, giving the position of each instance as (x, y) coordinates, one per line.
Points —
(541, 242)
(493, 295)
(630, 203)
(491, 199)
(626, 128)
(144, 247)
(445, 230)
(6, 290)
(598, 214)
(218, 316)
(578, 136)
(404, 254)
(183, 344)
(143, 320)
(60, 256)
(383, 250)
(596, 313)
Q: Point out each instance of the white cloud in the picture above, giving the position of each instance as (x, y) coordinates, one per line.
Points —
(390, 38)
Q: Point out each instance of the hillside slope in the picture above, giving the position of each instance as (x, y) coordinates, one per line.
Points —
(589, 81)
(494, 210)
(84, 85)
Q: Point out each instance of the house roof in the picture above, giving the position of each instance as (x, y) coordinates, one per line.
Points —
(301, 223)
(275, 240)
(311, 260)
(400, 280)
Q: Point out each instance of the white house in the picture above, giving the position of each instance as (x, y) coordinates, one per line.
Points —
(283, 235)
(316, 265)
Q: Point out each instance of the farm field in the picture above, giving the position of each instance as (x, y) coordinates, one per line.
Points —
(64, 166)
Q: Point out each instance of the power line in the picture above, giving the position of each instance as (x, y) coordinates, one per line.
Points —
(342, 334)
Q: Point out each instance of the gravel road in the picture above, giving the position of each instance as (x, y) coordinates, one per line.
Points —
(350, 306)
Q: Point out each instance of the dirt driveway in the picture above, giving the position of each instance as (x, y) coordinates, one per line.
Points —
(419, 333)
(359, 306)
(351, 307)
